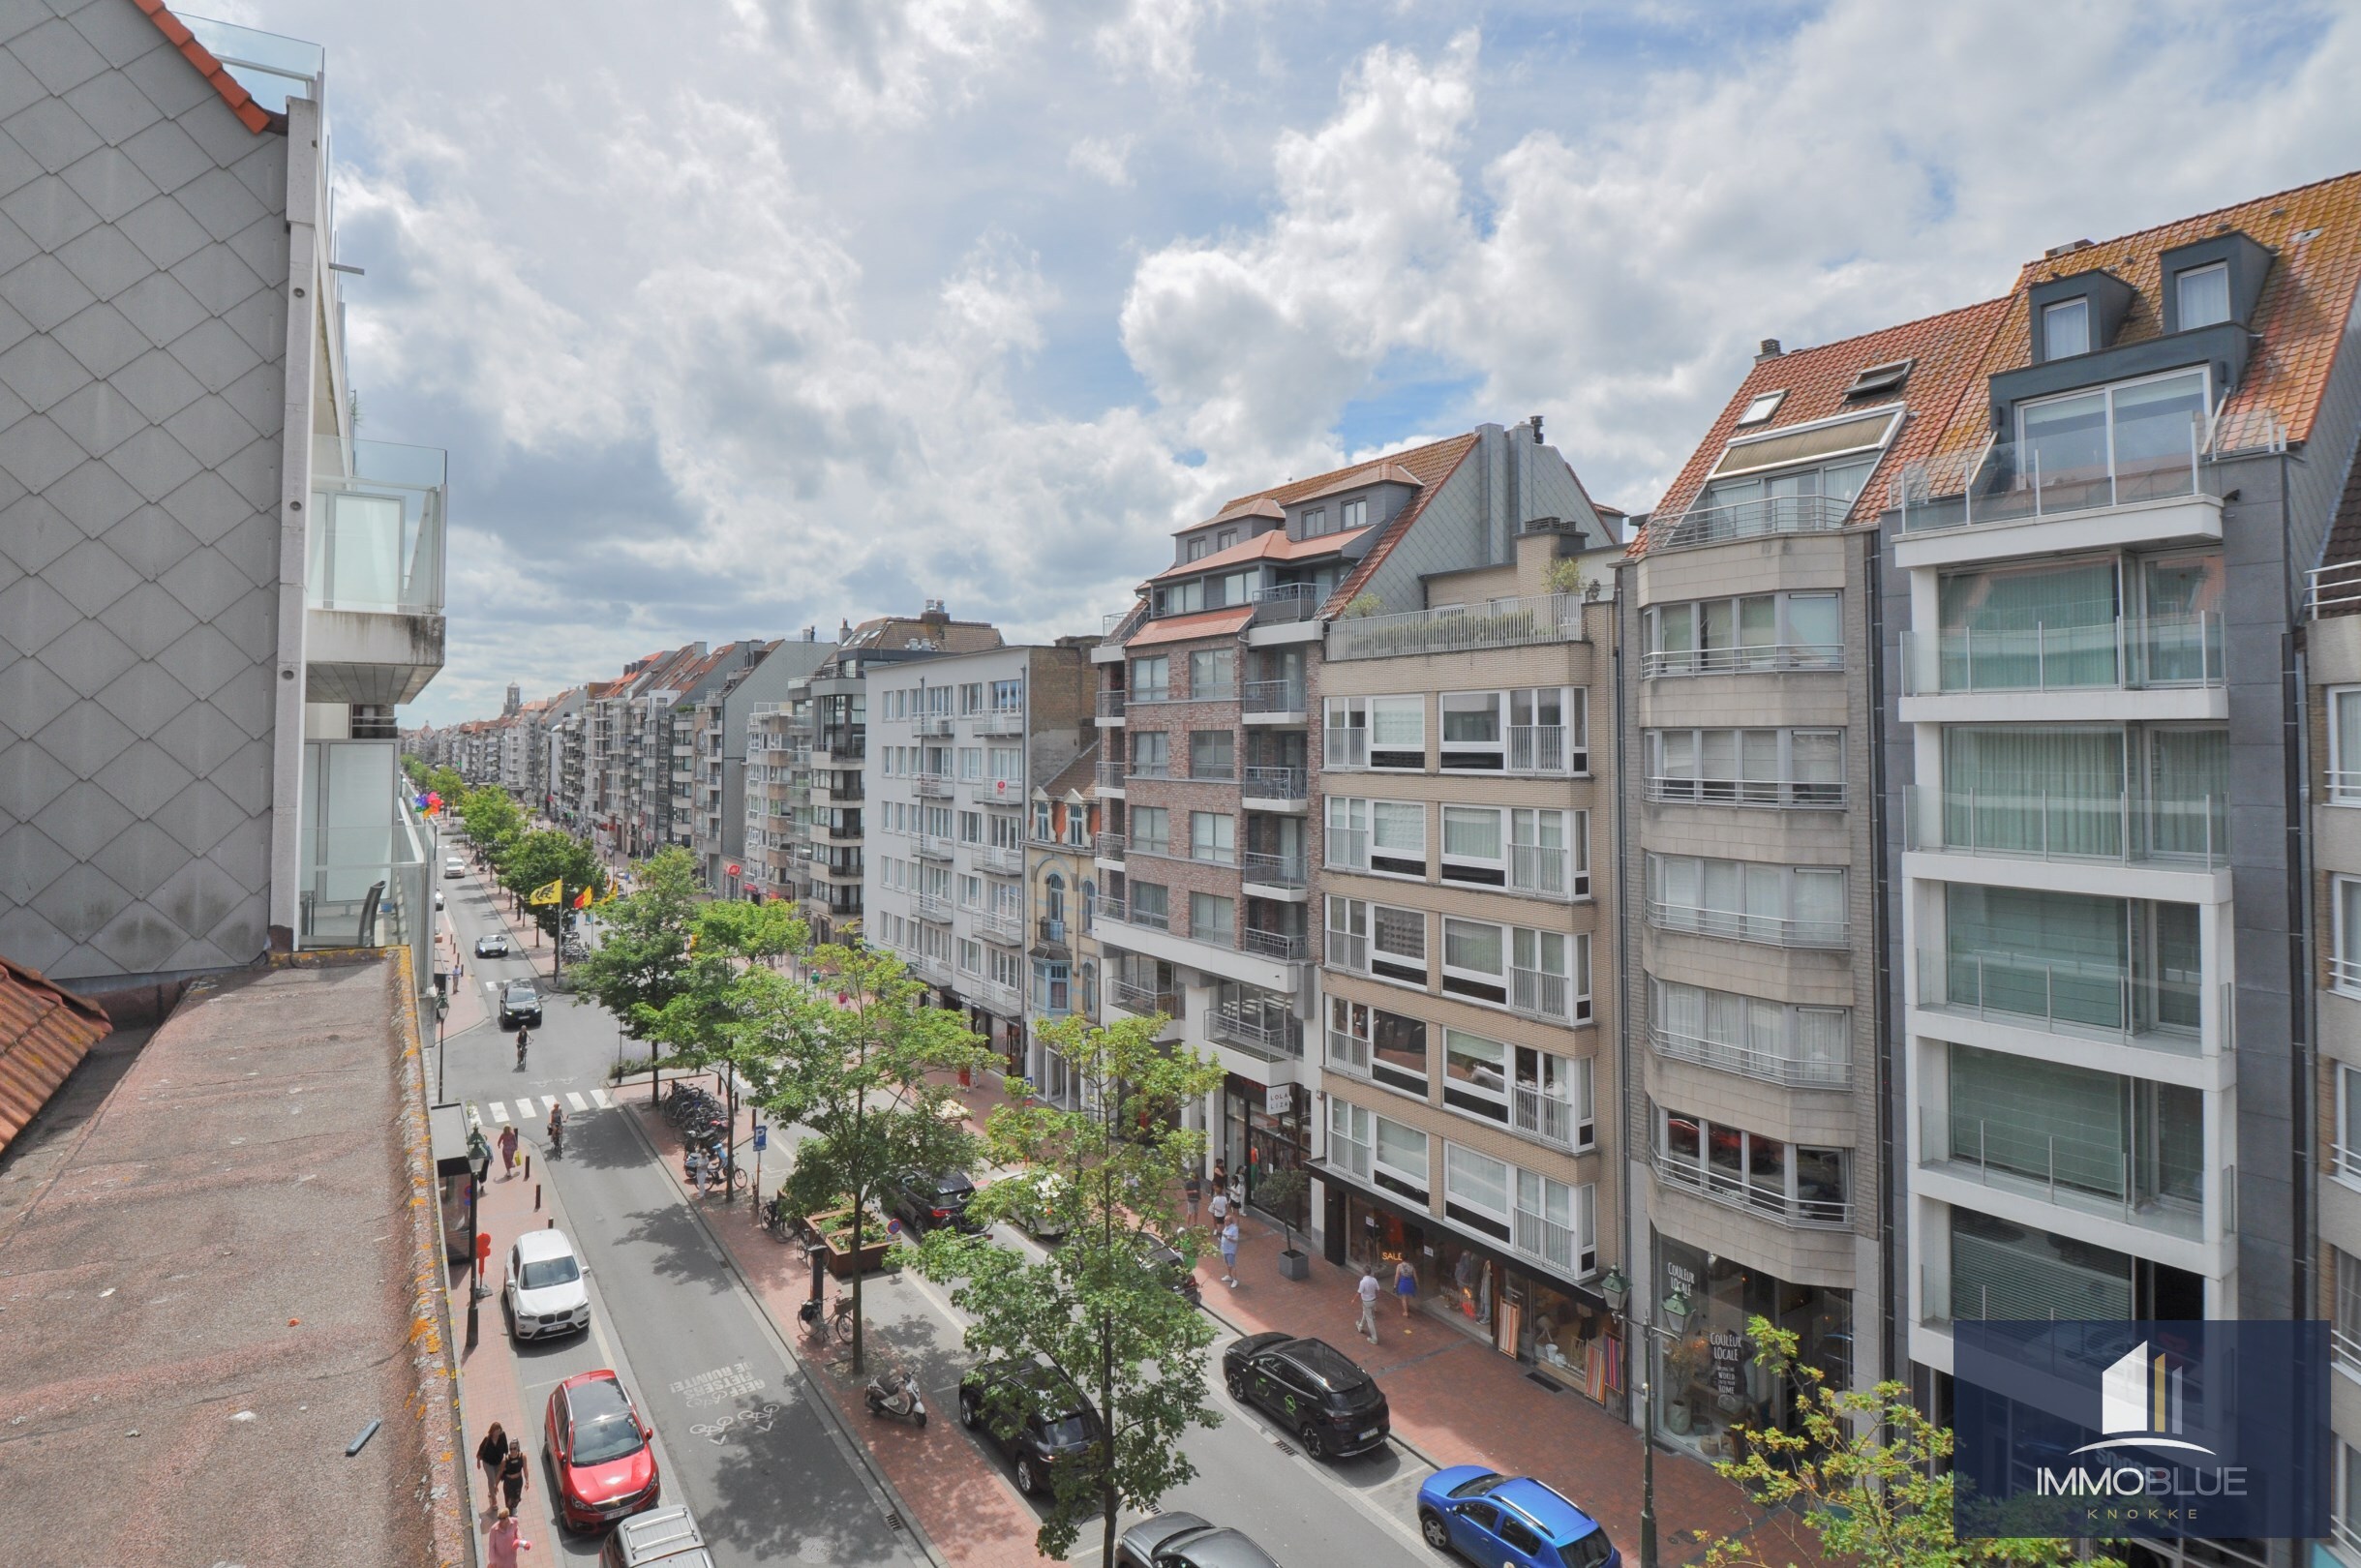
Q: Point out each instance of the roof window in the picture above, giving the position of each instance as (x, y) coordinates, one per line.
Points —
(1877, 381)
(1762, 408)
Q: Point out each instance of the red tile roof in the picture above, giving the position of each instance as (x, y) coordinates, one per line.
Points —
(1271, 544)
(44, 1030)
(1181, 628)
(250, 114)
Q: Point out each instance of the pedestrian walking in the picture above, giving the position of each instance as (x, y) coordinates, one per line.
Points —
(1229, 1254)
(1220, 1206)
(1366, 1293)
(1192, 1190)
(696, 1168)
(489, 1454)
(504, 1541)
(1221, 1175)
(1405, 1285)
(512, 1475)
(508, 1150)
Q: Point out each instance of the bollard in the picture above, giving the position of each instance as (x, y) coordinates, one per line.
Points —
(537, 1197)
(529, 1164)
(553, 1223)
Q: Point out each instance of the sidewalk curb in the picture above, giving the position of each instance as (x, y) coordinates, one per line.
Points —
(821, 1396)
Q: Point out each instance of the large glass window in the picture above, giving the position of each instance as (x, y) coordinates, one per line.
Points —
(1213, 754)
(2130, 441)
(2066, 328)
(2069, 1128)
(1151, 678)
(1398, 1052)
(1774, 768)
(1350, 1136)
(1772, 1041)
(2345, 747)
(2101, 791)
(2069, 959)
(2005, 1271)
(1347, 845)
(1213, 675)
(1397, 733)
(1214, 837)
(2345, 919)
(1151, 754)
(1398, 841)
(1751, 1169)
(1213, 918)
(1401, 1159)
(1747, 901)
(1476, 961)
(1398, 944)
(1475, 1189)
(1151, 830)
(1475, 845)
(1763, 631)
(1475, 1075)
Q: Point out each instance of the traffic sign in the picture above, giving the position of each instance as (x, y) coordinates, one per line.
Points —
(762, 1136)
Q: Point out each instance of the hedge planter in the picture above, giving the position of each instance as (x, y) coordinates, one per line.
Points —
(835, 1229)
(1294, 1265)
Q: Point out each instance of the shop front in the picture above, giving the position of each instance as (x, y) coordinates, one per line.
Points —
(1264, 1131)
(1484, 1291)
(1710, 1385)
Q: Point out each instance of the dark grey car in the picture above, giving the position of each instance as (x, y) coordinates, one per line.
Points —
(1185, 1541)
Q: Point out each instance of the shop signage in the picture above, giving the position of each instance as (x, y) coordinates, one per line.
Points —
(1279, 1099)
(1729, 1348)
(1679, 1278)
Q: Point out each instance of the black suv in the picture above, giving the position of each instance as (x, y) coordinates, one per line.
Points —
(1315, 1390)
(926, 1203)
(1161, 1254)
(1032, 1415)
(520, 1004)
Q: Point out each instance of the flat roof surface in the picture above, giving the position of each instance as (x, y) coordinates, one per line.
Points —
(221, 1282)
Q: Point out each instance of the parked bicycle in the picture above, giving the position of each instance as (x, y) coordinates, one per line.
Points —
(838, 1319)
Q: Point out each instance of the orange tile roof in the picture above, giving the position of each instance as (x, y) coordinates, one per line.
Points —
(1428, 466)
(45, 1031)
(1271, 544)
(1181, 628)
(250, 114)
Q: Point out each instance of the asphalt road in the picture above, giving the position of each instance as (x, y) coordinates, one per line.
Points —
(738, 1434)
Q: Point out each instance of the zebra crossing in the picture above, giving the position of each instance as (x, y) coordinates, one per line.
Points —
(532, 1108)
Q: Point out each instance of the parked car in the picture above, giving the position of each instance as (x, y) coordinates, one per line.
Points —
(454, 866)
(544, 1291)
(1045, 1218)
(661, 1535)
(520, 1004)
(1315, 1390)
(1514, 1521)
(1185, 1541)
(994, 1398)
(924, 1202)
(1155, 1250)
(600, 1452)
(494, 946)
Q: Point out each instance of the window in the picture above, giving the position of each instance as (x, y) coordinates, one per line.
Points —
(1213, 836)
(1401, 1163)
(1475, 1075)
(2345, 747)
(1552, 1097)
(2346, 1161)
(1558, 1223)
(1474, 846)
(1476, 961)
(2203, 295)
(1475, 1189)
(1151, 830)
(1044, 829)
(1549, 853)
(1748, 901)
(971, 827)
(1077, 825)
(1213, 918)
(971, 891)
(1224, 539)
(2345, 1327)
(1213, 754)
(1397, 838)
(1752, 1169)
(1376, 732)
(971, 958)
(1151, 754)
(1195, 551)
(1007, 696)
(1398, 1052)
(2344, 922)
(2128, 441)
(1473, 738)
(1316, 521)
(1761, 407)
(1053, 989)
(1761, 631)
(971, 697)
(1347, 845)
(1151, 905)
(1550, 974)
(1006, 765)
(1350, 1136)
(1880, 381)
(2066, 328)
(1771, 1041)
(1355, 514)
(1213, 675)
(1772, 768)
(1151, 680)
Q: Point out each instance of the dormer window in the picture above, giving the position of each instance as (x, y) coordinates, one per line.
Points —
(1316, 521)
(1224, 539)
(2066, 328)
(1762, 408)
(2205, 295)
(1880, 381)
(1355, 514)
(1196, 550)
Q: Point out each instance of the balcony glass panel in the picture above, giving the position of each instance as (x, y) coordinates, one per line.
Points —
(2003, 1271)
(2070, 960)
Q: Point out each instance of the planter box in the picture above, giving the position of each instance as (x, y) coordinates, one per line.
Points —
(1294, 1265)
(842, 1264)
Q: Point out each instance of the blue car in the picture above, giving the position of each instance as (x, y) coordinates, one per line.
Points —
(1488, 1518)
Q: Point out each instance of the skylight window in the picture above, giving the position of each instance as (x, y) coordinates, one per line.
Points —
(1762, 408)
(1879, 379)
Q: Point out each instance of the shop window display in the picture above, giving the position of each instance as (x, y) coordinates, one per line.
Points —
(1710, 1385)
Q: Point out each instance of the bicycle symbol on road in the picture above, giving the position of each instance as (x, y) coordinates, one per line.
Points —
(760, 1417)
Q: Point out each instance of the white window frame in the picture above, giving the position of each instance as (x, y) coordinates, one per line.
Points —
(1574, 854)
(1476, 870)
(1161, 665)
(1694, 787)
(971, 958)
(1472, 985)
(2345, 1159)
(1143, 844)
(2343, 747)
(2180, 295)
(1397, 813)
(1077, 825)
(1345, 847)
(1352, 1135)
(1461, 1162)
(2056, 309)
(1533, 1198)
(1394, 705)
(1473, 1096)
(1761, 407)
(1401, 1178)
(1495, 750)
(1045, 822)
(1213, 838)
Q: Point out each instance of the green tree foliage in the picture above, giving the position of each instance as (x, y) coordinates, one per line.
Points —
(1098, 1312)
(641, 962)
(538, 858)
(722, 1017)
(1871, 1476)
(870, 1077)
(494, 822)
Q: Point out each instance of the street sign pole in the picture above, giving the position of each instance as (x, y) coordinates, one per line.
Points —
(762, 1136)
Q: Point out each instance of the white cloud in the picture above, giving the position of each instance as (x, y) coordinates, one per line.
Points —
(1103, 158)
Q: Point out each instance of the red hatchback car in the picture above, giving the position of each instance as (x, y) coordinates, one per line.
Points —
(599, 1450)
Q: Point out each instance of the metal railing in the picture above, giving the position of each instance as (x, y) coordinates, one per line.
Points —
(1549, 618)
(1347, 849)
(1538, 994)
(1272, 944)
(2156, 458)
(2119, 654)
(1792, 794)
(2345, 974)
(1000, 997)
(1275, 784)
(1343, 749)
(1736, 1192)
(2074, 1173)
(1005, 927)
(1349, 1053)
(1122, 913)
(931, 906)
(1737, 926)
(932, 786)
(1161, 768)
(1272, 697)
(1546, 1117)
(1217, 770)
(1000, 860)
(933, 847)
(2040, 825)
(1544, 1238)
(2334, 589)
(1546, 872)
(1284, 602)
(1346, 950)
(1262, 1031)
(1769, 1066)
(998, 722)
(1748, 520)
(1756, 658)
(1212, 691)
(2345, 784)
(1273, 870)
(1350, 1156)
(932, 724)
(1051, 930)
(1110, 705)
(1005, 791)
(1111, 776)
(2068, 996)
(1138, 998)
(1541, 748)
(1109, 846)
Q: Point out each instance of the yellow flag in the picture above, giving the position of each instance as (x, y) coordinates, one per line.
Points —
(614, 887)
(549, 895)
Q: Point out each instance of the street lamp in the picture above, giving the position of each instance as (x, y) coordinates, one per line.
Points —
(1676, 1310)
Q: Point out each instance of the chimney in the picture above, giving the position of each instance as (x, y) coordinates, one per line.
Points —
(934, 617)
(844, 631)
(811, 634)
(1771, 351)
(1537, 423)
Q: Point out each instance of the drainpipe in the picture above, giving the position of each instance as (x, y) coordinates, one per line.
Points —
(1893, 1308)
(2303, 1014)
(1623, 1020)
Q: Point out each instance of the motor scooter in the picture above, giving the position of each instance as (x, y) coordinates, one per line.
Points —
(899, 1397)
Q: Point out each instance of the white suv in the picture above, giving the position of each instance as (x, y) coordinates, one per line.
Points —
(544, 1292)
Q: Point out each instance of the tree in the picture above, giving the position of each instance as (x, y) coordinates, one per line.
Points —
(641, 961)
(720, 1018)
(1870, 1474)
(1279, 1192)
(538, 858)
(493, 821)
(868, 1076)
(1100, 1312)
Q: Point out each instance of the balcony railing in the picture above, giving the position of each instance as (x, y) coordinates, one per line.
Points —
(1545, 871)
(1159, 768)
(932, 724)
(2040, 825)
(1214, 771)
(1111, 776)
(1737, 926)
(1134, 997)
(1792, 794)
(1538, 994)
(1546, 1117)
(1122, 912)
(1550, 618)
(1769, 1066)
(1110, 705)
(2139, 460)
(933, 906)
(1007, 791)
(2120, 655)
(1542, 748)
(2068, 996)
(1349, 1053)
(1279, 944)
(1109, 846)
(2345, 786)
(2334, 589)
(1005, 927)
(1000, 860)
(1284, 602)
(1275, 784)
(933, 786)
(2345, 974)
(1273, 870)
(1343, 749)
(1263, 1031)
(1748, 520)
(1736, 1192)
(1754, 658)
(2088, 1176)
(933, 847)
(1273, 697)
(999, 721)
(1548, 1241)
(377, 537)
(1051, 930)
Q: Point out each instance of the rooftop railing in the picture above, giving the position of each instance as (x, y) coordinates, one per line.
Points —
(2125, 462)
(1770, 515)
(377, 536)
(1549, 618)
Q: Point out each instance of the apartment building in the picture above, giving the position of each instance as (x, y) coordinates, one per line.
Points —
(2332, 656)
(1750, 921)
(1061, 838)
(212, 595)
(679, 714)
(719, 794)
(956, 743)
(562, 767)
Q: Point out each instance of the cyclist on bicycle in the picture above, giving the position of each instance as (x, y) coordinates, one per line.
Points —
(557, 1128)
(523, 1037)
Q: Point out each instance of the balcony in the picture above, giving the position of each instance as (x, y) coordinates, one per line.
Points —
(1733, 1191)
(932, 907)
(1737, 926)
(1752, 658)
(1538, 1236)
(1545, 871)
(374, 583)
(1005, 926)
(1110, 705)
(1546, 749)
(1547, 1117)
(1134, 997)
(1110, 846)
(2122, 654)
(1267, 1033)
(1270, 701)
(1349, 1053)
(999, 792)
(1121, 912)
(847, 790)
(1111, 776)
(2072, 997)
(1814, 794)
(1050, 931)
(2333, 590)
(2028, 826)
(2102, 1180)
(1274, 870)
(998, 722)
(1281, 786)
(2137, 461)
(932, 847)
(998, 996)
(1287, 947)
(1766, 1067)
(932, 786)
(1284, 604)
(1550, 618)
(1748, 520)
(999, 860)
(938, 725)
(1538, 993)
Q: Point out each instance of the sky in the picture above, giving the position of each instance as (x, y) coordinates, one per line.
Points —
(743, 315)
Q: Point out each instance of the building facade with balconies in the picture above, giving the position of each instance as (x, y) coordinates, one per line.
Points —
(723, 790)
(1068, 978)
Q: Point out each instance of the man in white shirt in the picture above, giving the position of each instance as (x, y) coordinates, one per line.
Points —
(1367, 1290)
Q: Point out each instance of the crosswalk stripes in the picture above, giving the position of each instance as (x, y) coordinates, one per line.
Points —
(598, 1098)
(576, 1102)
(499, 1112)
(531, 1108)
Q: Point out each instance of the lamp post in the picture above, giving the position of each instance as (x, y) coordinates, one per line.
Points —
(1676, 1310)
